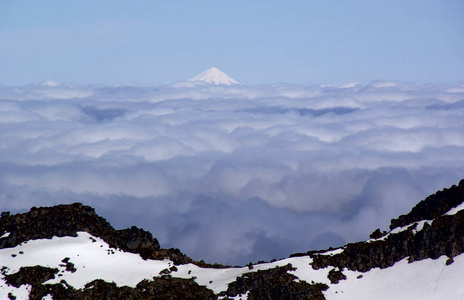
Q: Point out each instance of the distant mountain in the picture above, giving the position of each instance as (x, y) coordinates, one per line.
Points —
(69, 252)
(51, 82)
(214, 76)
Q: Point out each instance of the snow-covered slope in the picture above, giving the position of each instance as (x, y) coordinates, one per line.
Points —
(421, 260)
(214, 76)
(93, 259)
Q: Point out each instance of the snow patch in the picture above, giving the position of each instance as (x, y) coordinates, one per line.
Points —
(394, 231)
(20, 293)
(454, 210)
(332, 252)
(420, 225)
(94, 259)
(425, 279)
(91, 256)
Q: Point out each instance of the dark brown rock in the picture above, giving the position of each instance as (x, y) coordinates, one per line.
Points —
(377, 234)
(335, 276)
(158, 288)
(31, 275)
(274, 283)
(433, 206)
(444, 236)
(67, 220)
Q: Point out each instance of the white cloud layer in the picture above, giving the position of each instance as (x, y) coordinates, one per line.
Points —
(233, 174)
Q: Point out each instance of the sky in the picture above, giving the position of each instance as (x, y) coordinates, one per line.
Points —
(347, 116)
(255, 42)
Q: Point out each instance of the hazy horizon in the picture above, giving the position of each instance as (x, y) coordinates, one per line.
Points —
(153, 42)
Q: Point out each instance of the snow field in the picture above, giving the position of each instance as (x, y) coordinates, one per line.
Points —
(425, 279)
(94, 259)
(91, 256)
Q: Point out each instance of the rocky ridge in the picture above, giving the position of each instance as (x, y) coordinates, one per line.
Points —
(430, 230)
(67, 220)
(158, 288)
(425, 232)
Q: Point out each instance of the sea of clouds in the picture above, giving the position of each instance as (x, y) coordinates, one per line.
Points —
(233, 174)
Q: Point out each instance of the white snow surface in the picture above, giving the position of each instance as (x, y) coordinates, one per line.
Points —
(454, 210)
(214, 76)
(332, 252)
(91, 256)
(94, 259)
(425, 279)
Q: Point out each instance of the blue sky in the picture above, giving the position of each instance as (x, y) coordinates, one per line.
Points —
(255, 42)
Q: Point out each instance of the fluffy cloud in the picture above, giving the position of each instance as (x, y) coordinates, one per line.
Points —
(233, 174)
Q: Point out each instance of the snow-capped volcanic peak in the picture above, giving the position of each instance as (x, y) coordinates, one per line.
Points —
(214, 76)
(51, 82)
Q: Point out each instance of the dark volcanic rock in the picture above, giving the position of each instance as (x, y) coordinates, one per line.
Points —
(274, 284)
(335, 276)
(31, 275)
(158, 288)
(444, 236)
(433, 206)
(67, 220)
(377, 234)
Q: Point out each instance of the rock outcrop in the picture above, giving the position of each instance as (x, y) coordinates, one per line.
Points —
(67, 220)
(433, 206)
(159, 288)
(274, 283)
(440, 234)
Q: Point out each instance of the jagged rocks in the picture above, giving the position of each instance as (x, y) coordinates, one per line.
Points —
(135, 238)
(433, 206)
(364, 256)
(31, 275)
(158, 288)
(274, 283)
(68, 265)
(47, 222)
(377, 234)
(67, 220)
(335, 276)
(443, 236)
